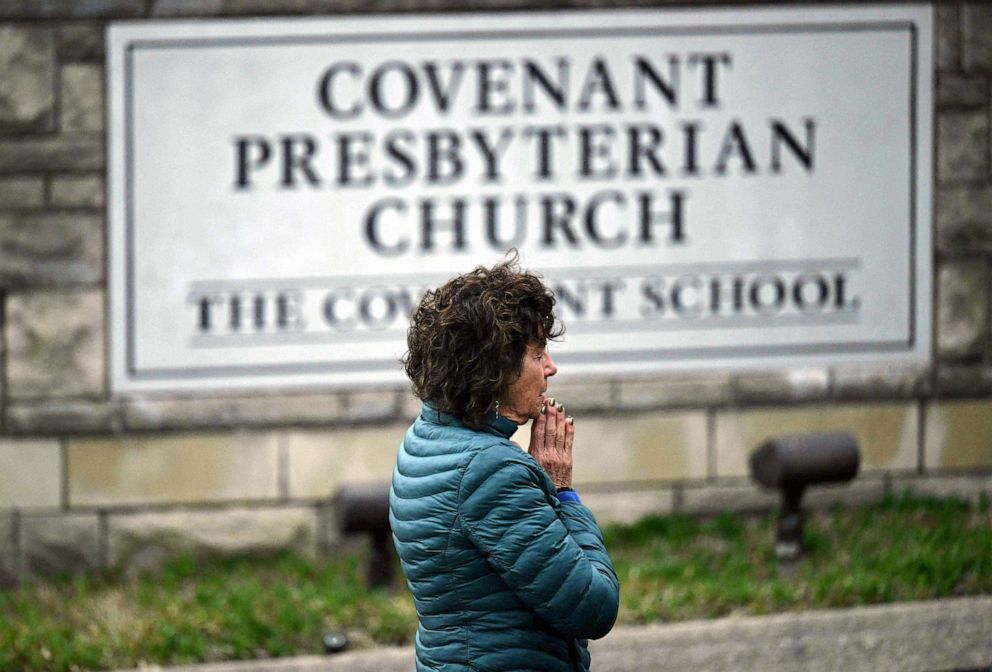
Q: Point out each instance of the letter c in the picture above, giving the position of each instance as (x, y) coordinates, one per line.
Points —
(324, 90)
(340, 321)
(373, 233)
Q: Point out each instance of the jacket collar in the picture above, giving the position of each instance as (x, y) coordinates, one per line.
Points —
(492, 423)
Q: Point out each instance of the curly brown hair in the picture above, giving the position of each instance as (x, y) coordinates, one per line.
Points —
(467, 338)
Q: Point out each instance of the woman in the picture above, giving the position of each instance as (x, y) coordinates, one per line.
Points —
(508, 569)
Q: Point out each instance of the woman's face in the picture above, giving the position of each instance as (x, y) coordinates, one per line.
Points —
(525, 395)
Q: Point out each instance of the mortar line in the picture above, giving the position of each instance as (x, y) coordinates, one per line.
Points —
(4, 358)
(987, 327)
(64, 475)
(988, 121)
(56, 101)
(46, 191)
(959, 37)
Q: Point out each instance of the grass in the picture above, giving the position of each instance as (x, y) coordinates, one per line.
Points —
(905, 548)
(671, 568)
(196, 611)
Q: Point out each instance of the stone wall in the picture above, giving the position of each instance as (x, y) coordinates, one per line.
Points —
(88, 480)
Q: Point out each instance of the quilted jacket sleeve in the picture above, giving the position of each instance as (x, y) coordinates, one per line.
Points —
(554, 560)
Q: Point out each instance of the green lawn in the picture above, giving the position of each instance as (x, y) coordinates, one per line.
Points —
(671, 568)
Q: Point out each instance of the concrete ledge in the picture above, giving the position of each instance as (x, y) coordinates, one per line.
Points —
(931, 636)
(905, 637)
(147, 540)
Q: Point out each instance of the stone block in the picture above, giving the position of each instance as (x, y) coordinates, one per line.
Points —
(321, 462)
(642, 447)
(595, 396)
(187, 7)
(68, 152)
(64, 542)
(27, 79)
(750, 497)
(329, 537)
(8, 549)
(82, 98)
(962, 146)
(22, 192)
(50, 249)
(964, 218)
(862, 491)
(958, 435)
(676, 391)
(805, 384)
(56, 9)
(962, 92)
(887, 434)
(969, 487)
(872, 381)
(410, 406)
(210, 412)
(741, 497)
(628, 506)
(962, 309)
(80, 42)
(976, 35)
(64, 416)
(142, 541)
(30, 473)
(948, 36)
(264, 7)
(372, 406)
(959, 380)
(580, 397)
(77, 191)
(172, 469)
(55, 345)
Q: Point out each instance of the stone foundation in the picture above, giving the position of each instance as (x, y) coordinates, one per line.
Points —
(89, 480)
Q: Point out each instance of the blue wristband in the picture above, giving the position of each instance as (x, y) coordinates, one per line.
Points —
(568, 495)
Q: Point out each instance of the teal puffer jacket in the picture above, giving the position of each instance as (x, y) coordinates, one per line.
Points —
(504, 576)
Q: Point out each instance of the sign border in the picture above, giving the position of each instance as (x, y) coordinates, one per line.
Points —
(135, 374)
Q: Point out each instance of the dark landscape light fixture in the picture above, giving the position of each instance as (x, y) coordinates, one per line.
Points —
(790, 464)
(364, 509)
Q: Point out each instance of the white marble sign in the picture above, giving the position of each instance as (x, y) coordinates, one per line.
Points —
(704, 189)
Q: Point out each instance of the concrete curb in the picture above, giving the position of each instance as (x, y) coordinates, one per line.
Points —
(936, 636)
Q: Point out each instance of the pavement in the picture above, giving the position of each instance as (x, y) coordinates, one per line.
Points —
(953, 635)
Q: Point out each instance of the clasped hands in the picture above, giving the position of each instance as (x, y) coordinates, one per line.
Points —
(551, 436)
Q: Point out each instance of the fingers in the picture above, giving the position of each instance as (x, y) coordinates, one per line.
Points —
(551, 423)
(560, 430)
(569, 437)
(552, 434)
(537, 434)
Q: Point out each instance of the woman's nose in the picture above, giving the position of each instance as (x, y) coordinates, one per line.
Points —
(549, 365)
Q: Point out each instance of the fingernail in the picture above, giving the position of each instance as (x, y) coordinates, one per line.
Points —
(551, 400)
(544, 409)
(559, 407)
(570, 420)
